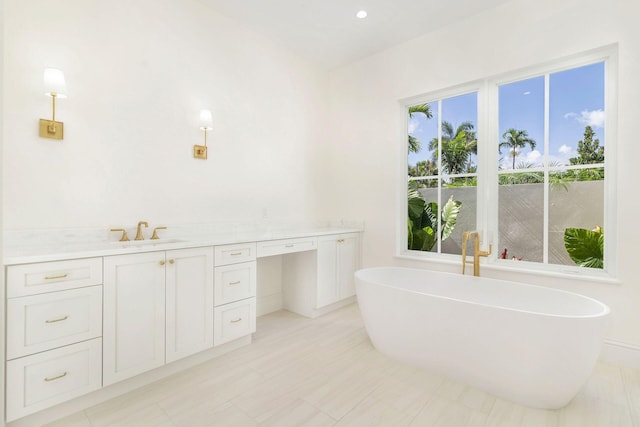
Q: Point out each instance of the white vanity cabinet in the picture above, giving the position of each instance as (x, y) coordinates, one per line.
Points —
(235, 292)
(318, 281)
(54, 328)
(338, 259)
(157, 309)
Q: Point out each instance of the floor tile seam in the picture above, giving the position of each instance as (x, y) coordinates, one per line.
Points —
(239, 408)
(358, 402)
(168, 416)
(379, 400)
(628, 393)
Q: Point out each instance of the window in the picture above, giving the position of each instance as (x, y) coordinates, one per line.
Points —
(523, 159)
(442, 172)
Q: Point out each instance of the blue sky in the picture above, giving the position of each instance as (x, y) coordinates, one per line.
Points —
(576, 99)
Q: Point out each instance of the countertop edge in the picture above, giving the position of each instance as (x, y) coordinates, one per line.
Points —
(100, 249)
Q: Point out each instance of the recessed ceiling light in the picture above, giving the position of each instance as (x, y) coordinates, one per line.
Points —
(362, 14)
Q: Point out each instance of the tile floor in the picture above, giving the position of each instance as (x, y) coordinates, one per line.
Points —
(324, 372)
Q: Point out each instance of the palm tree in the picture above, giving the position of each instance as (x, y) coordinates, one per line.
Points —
(515, 139)
(457, 146)
(414, 143)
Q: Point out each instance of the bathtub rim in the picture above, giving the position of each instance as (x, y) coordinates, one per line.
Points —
(606, 310)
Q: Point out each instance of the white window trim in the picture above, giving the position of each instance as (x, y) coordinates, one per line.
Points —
(487, 201)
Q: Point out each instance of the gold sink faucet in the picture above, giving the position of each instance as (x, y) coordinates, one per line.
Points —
(477, 253)
(139, 235)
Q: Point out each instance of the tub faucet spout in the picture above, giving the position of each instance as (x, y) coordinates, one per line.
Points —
(477, 253)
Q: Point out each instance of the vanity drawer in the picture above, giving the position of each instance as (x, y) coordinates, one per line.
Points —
(31, 279)
(286, 246)
(45, 379)
(234, 282)
(235, 320)
(233, 254)
(41, 322)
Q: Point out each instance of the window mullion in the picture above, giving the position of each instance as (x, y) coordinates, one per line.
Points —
(545, 230)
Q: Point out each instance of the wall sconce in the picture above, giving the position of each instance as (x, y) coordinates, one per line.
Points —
(55, 88)
(206, 123)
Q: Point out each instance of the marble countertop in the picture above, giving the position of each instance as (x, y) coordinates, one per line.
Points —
(28, 248)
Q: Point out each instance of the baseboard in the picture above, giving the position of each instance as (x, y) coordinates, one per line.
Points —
(621, 353)
(268, 304)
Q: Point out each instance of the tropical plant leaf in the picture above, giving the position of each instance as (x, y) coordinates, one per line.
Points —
(416, 211)
(449, 217)
(585, 247)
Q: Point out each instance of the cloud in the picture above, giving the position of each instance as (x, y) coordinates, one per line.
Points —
(413, 125)
(593, 118)
(533, 156)
(565, 149)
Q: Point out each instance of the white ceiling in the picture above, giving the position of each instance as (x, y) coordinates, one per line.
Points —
(328, 32)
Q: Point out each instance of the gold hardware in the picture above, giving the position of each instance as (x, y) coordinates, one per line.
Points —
(341, 241)
(237, 282)
(206, 121)
(124, 237)
(236, 320)
(55, 88)
(171, 261)
(51, 128)
(161, 262)
(154, 236)
(57, 320)
(61, 276)
(56, 377)
(139, 235)
(200, 151)
(236, 254)
(288, 246)
(477, 253)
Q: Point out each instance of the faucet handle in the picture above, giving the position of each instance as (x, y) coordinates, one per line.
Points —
(155, 236)
(124, 237)
(486, 253)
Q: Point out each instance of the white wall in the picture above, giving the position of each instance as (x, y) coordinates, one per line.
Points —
(2, 288)
(367, 124)
(137, 73)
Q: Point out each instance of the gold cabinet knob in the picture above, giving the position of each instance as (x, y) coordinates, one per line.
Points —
(161, 262)
(171, 261)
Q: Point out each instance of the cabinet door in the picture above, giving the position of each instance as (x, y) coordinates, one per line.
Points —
(348, 262)
(134, 315)
(327, 285)
(189, 323)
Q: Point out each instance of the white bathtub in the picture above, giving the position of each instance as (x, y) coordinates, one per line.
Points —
(529, 344)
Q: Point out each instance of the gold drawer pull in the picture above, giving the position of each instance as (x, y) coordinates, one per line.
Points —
(288, 246)
(341, 241)
(56, 377)
(237, 282)
(236, 253)
(237, 320)
(61, 276)
(57, 320)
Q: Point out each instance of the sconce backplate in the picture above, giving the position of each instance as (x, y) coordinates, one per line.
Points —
(51, 129)
(200, 152)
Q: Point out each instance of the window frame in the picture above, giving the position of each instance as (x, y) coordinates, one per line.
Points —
(487, 132)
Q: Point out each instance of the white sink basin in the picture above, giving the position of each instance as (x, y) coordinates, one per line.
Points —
(146, 243)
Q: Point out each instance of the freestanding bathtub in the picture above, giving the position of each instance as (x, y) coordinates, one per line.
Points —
(529, 344)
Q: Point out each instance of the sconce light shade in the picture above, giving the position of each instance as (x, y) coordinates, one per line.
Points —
(206, 120)
(54, 83)
(55, 87)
